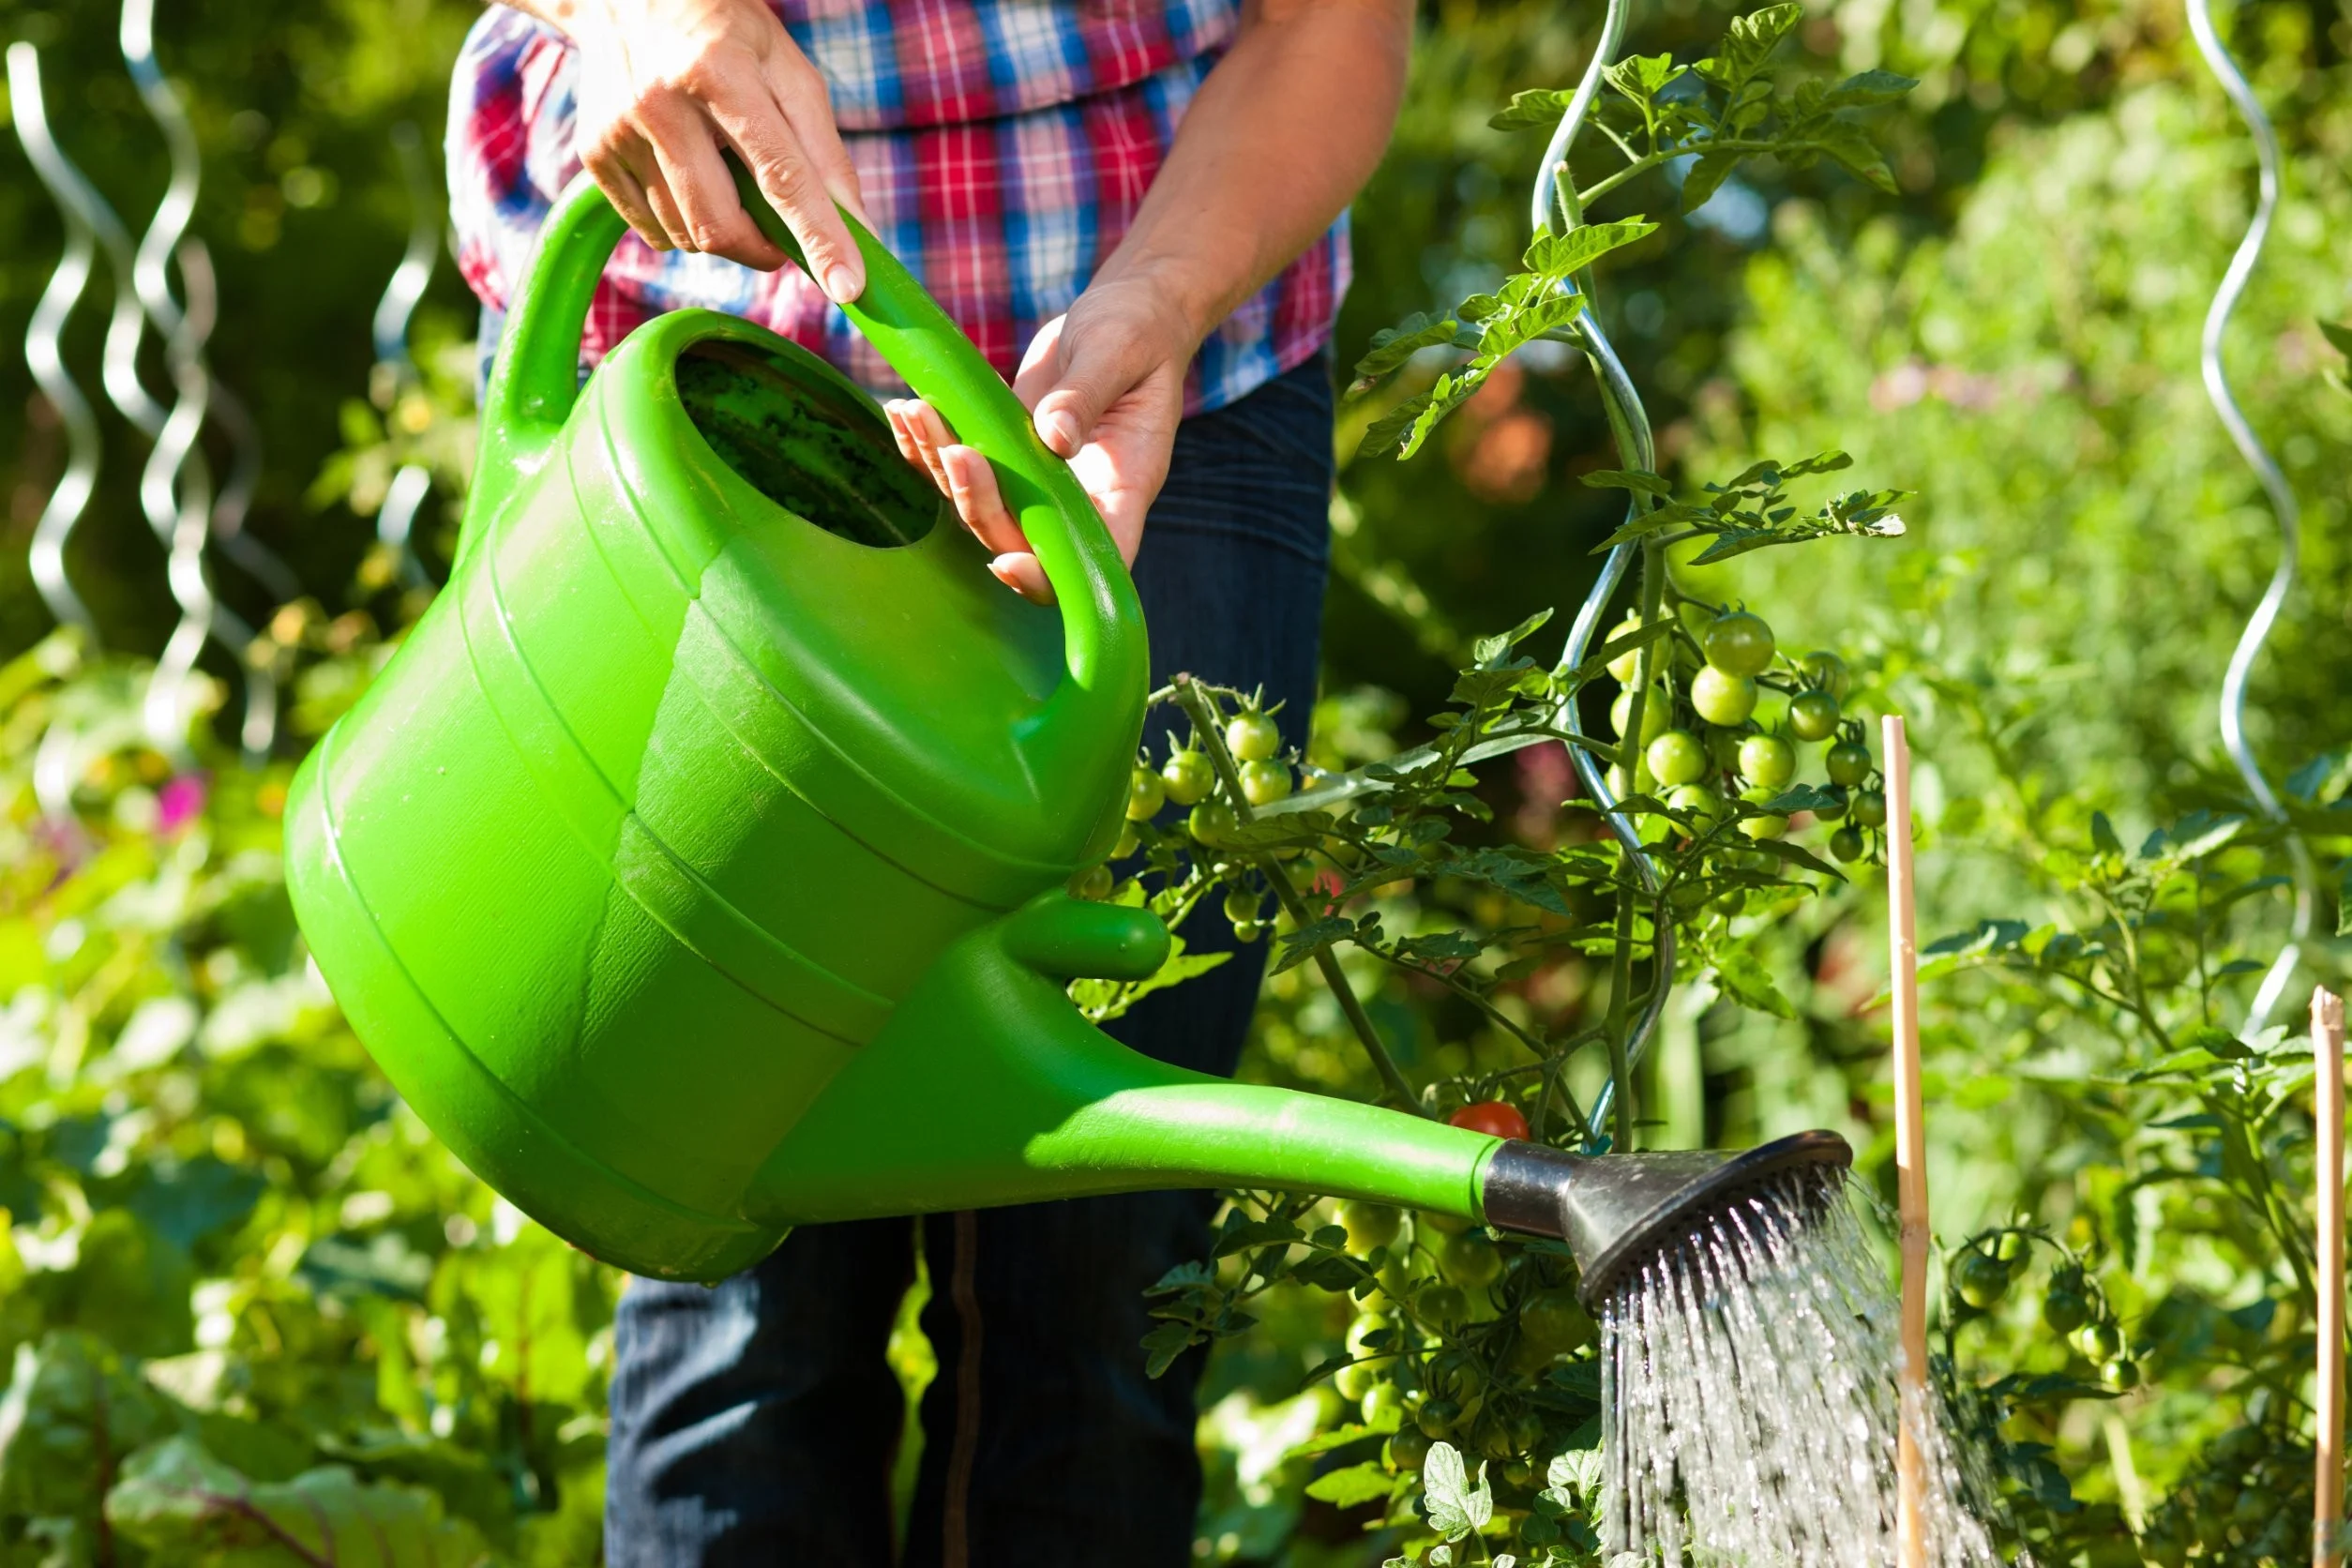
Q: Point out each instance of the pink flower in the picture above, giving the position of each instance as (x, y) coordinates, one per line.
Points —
(180, 803)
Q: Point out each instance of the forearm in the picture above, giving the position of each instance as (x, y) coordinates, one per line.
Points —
(1275, 144)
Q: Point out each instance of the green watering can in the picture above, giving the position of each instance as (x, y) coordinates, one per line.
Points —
(695, 868)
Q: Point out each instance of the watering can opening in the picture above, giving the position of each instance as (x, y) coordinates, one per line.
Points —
(805, 443)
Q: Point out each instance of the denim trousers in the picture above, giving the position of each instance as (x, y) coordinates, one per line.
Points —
(757, 1422)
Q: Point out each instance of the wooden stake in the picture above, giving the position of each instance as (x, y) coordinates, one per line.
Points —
(1910, 1153)
(2326, 1049)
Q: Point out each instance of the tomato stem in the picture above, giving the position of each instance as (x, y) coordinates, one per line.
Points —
(1194, 700)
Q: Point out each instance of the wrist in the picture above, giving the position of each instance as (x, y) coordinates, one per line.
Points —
(1187, 292)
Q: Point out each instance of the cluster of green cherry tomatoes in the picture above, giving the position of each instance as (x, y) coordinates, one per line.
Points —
(1450, 1343)
(2073, 1306)
(1700, 735)
(1188, 780)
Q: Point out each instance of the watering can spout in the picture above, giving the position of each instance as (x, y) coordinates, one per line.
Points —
(988, 1087)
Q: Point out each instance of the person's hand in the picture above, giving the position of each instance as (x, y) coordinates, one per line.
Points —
(665, 84)
(1104, 384)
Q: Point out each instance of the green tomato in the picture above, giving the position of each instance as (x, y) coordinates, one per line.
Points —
(1766, 762)
(1212, 822)
(1441, 1306)
(1458, 1375)
(1625, 666)
(1265, 781)
(1656, 714)
(1771, 825)
(1095, 882)
(1248, 931)
(1813, 716)
(1381, 1403)
(1251, 737)
(1469, 1259)
(1870, 809)
(1825, 672)
(1147, 792)
(1354, 1381)
(1436, 1417)
(1362, 1329)
(1407, 1451)
(2121, 1374)
(1847, 845)
(1555, 1323)
(1722, 699)
(1847, 763)
(1187, 778)
(1445, 1225)
(2100, 1341)
(1836, 806)
(1700, 802)
(2064, 1310)
(1128, 842)
(1982, 1280)
(1676, 758)
(1368, 1225)
(1241, 904)
(1739, 644)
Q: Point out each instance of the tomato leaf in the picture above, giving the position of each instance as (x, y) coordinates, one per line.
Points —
(1538, 109)
(1745, 980)
(1455, 1507)
(1353, 1486)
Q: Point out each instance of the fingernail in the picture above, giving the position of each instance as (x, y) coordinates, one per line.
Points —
(1059, 430)
(842, 284)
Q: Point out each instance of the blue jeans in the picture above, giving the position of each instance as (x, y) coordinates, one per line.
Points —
(756, 1422)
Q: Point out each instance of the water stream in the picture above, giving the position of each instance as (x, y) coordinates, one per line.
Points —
(1749, 1381)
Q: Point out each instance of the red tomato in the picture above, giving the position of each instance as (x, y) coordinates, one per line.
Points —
(1491, 1116)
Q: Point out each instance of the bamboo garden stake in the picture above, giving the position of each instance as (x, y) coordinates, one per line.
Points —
(1910, 1149)
(2326, 1049)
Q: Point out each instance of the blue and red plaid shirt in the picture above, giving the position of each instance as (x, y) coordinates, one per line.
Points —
(1002, 147)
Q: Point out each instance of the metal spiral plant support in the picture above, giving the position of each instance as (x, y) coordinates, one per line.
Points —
(1553, 207)
(396, 519)
(2281, 497)
(175, 488)
(43, 352)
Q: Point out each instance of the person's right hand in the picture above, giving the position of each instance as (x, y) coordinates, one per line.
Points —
(665, 84)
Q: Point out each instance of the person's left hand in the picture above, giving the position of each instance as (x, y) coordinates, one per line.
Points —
(1104, 384)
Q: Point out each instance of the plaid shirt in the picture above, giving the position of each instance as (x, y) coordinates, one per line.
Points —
(1002, 147)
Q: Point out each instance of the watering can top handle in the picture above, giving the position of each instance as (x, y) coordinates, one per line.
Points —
(536, 381)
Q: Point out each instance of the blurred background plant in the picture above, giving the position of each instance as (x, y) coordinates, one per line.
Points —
(231, 1253)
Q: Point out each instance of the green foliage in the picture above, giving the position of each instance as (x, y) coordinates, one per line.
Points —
(1739, 115)
(1751, 511)
(180, 1504)
(257, 1314)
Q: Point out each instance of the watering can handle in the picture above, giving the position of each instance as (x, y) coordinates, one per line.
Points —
(536, 381)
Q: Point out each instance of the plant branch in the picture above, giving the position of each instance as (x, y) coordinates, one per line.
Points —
(1197, 706)
(1640, 166)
